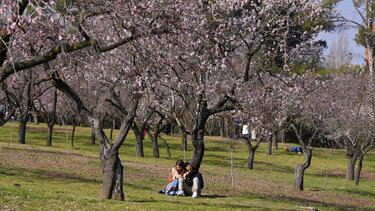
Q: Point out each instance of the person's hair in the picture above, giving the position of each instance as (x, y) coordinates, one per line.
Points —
(191, 166)
(180, 163)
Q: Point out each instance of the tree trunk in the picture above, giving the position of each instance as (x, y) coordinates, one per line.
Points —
(226, 129)
(298, 177)
(22, 130)
(51, 118)
(92, 138)
(49, 136)
(252, 149)
(352, 159)
(269, 146)
(166, 147)
(274, 141)
(74, 129)
(300, 169)
(359, 168)
(138, 142)
(27, 92)
(283, 136)
(250, 159)
(112, 128)
(155, 147)
(222, 126)
(184, 141)
(173, 129)
(112, 187)
(35, 117)
(198, 151)
(154, 141)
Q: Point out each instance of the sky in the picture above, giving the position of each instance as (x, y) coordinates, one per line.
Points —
(347, 10)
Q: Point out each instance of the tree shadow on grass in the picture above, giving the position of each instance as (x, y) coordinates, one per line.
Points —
(311, 202)
(185, 201)
(214, 196)
(216, 149)
(339, 174)
(268, 166)
(135, 186)
(48, 152)
(45, 174)
(224, 160)
(360, 193)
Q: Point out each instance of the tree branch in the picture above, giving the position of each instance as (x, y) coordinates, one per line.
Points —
(50, 55)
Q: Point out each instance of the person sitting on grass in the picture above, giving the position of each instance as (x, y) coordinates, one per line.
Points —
(194, 181)
(175, 181)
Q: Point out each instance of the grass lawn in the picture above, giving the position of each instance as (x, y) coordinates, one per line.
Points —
(36, 177)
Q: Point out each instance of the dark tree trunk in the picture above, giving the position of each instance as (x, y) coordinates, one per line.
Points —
(359, 168)
(73, 131)
(226, 129)
(154, 141)
(112, 168)
(222, 126)
(92, 138)
(112, 187)
(112, 128)
(252, 149)
(166, 147)
(26, 105)
(49, 136)
(22, 130)
(155, 147)
(50, 119)
(298, 177)
(352, 159)
(274, 141)
(138, 142)
(184, 140)
(198, 151)
(250, 159)
(173, 128)
(307, 152)
(300, 169)
(269, 146)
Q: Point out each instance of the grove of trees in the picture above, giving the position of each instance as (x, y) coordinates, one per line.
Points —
(146, 65)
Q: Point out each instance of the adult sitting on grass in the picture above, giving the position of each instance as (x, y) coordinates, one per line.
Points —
(175, 181)
(194, 181)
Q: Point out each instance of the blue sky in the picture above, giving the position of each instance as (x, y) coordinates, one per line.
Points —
(347, 10)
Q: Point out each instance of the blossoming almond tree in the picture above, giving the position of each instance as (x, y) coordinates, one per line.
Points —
(353, 125)
(186, 47)
(308, 103)
(264, 108)
(56, 29)
(211, 56)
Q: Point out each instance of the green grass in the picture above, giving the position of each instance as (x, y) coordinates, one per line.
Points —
(50, 180)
